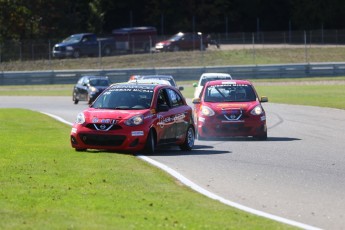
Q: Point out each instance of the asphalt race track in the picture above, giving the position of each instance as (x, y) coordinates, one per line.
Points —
(298, 173)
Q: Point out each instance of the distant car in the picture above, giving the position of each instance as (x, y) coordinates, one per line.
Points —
(230, 108)
(205, 77)
(183, 41)
(168, 78)
(135, 117)
(89, 87)
(150, 81)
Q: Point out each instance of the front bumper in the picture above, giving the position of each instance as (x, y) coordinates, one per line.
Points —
(86, 137)
(210, 127)
(62, 54)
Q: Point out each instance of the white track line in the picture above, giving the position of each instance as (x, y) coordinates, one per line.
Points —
(209, 194)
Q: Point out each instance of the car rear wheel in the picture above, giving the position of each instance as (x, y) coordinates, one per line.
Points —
(176, 48)
(150, 143)
(189, 140)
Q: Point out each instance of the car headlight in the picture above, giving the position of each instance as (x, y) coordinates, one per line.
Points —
(80, 118)
(257, 110)
(136, 120)
(207, 111)
(70, 48)
(93, 89)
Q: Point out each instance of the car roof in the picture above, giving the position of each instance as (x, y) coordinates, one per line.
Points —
(150, 81)
(133, 86)
(157, 76)
(232, 82)
(212, 75)
(95, 77)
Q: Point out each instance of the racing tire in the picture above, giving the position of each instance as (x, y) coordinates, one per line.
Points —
(75, 100)
(188, 144)
(150, 143)
(262, 137)
(80, 150)
(175, 49)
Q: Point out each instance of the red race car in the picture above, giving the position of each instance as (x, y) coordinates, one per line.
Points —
(134, 117)
(230, 108)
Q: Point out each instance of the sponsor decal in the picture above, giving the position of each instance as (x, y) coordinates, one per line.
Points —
(103, 120)
(137, 133)
(168, 120)
(263, 118)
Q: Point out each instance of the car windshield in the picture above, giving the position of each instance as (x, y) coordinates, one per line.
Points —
(124, 99)
(73, 38)
(99, 82)
(229, 93)
(176, 37)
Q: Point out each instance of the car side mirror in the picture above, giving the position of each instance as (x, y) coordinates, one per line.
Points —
(162, 108)
(180, 88)
(195, 85)
(196, 101)
(264, 99)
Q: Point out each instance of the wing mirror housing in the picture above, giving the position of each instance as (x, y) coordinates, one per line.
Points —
(196, 101)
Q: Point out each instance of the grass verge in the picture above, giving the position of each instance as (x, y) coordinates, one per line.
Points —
(45, 184)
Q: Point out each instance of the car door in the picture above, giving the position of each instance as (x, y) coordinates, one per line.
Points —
(89, 45)
(79, 89)
(182, 114)
(83, 89)
(165, 119)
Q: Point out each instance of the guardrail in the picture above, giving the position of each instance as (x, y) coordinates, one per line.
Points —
(180, 74)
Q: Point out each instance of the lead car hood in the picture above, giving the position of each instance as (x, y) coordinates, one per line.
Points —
(91, 114)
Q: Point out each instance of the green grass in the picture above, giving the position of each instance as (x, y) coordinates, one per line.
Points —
(45, 184)
(332, 96)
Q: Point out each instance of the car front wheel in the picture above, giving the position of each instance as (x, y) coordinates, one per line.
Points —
(189, 140)
(150, 143)
(75, 100)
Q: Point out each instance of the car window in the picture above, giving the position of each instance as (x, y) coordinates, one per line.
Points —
(163, 98)
(99, 82)
(175, 98)
(229, 93)
(81, 80)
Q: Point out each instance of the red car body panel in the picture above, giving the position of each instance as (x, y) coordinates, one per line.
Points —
(106, 128)
(230, 119)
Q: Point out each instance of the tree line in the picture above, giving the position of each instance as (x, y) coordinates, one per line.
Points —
(47, 19)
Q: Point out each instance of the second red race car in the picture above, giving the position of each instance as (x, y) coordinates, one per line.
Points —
(230, 108)
(135, 117)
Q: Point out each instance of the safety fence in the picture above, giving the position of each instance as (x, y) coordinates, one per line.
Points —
(39, 49)
(180, 74)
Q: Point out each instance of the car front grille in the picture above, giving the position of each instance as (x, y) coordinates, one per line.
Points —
(58, 48)
(231, 115)
(102, 140)
(103, 127)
